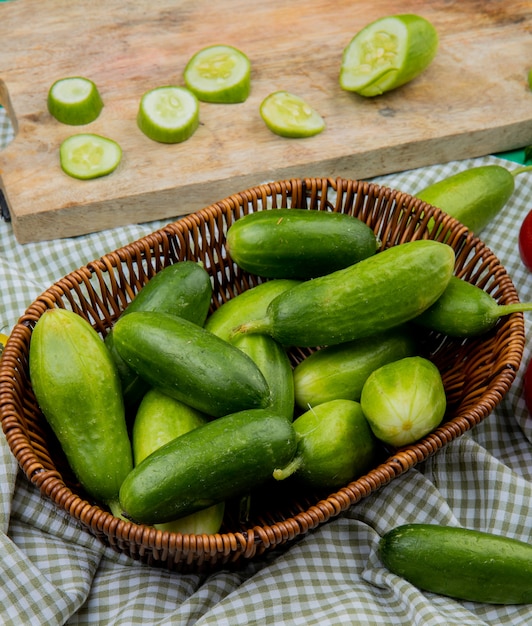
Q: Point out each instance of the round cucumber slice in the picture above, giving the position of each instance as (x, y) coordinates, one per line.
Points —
(87, 155)
(289, 115)
(168, 114)
(387, 54)
(220, 74)
(74, 100)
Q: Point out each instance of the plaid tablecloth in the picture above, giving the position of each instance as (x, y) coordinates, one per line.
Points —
(52, 573)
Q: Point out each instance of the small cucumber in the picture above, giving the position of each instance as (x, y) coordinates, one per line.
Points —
(475, 196)
(404, 400)
(190, 363)
(267, 354)
(161, 419)
(388, 53)
(335, 446)
(77, 387)
(357, 301)
(224, 458)
(298, 243)
(340, 371)
(465, 310)
(460, 563)
(183, 289)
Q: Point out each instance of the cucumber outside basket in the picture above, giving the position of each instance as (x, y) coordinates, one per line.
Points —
(477, 373)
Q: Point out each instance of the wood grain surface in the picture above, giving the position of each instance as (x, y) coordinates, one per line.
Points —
(473, 100)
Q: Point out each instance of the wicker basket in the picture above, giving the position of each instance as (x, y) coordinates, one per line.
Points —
(477, 373)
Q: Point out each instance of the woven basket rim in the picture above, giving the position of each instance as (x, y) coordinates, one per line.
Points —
(232, 546)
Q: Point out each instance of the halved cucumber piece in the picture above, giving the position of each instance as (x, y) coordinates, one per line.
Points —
(74, 100)
(219, 73)
(289, 115)
(87, 155)
(168, 114)
(388, 53)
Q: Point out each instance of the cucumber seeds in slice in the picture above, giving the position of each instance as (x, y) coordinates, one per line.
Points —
(87, 155)
(388, 53)
(168, 114)
(288, 115)
(220, 74)
(74, 100)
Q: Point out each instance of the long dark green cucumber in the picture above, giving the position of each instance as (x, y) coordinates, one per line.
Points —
(298, 243)
(222, 459)
(378, 293)
(190, 363)
(460, 563)
(183, 289)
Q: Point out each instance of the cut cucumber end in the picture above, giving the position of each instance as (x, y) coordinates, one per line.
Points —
(288, 115)
(387, 53)
(168, 114)
(87, 155)
(219, 74)
(74, 100)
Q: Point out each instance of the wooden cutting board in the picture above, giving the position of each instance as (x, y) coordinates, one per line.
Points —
(473, 100)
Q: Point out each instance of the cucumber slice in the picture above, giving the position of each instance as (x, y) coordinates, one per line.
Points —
(74, 100)
(168, 114)
(289, 115)
(220, 74)
(388, 53)
(87, 156)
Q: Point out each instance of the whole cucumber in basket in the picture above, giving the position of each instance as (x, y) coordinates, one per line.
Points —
(183, 289)
(465, 310)
(268, 355)
(298, 243)
(475, 196)
(161, 419)
(224, 458)
(77, 387)
(461, 563)
(340, 371)
(373, 295)
(189, 363)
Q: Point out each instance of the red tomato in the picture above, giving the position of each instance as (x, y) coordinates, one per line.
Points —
(527, 387)
(525, 241)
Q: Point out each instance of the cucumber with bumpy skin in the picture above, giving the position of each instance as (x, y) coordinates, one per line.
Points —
(190, 363)
(465, 310)
(222, 459)
(298, 243)
(380, 292)
(460, 563)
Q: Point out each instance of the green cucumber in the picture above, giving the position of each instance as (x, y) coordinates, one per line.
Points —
(184, 289)
(77, 387)
(190, 363)
(222, 459)
(339, 371)
(161, 419)
(298, 243)
(357, 301)
(267, 354)
(475, 196)
(465, 310)
(388, 53)
(460, 563)
(404, 400)
(335, 445)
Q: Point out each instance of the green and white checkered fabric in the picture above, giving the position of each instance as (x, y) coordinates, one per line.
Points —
(53, 573)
